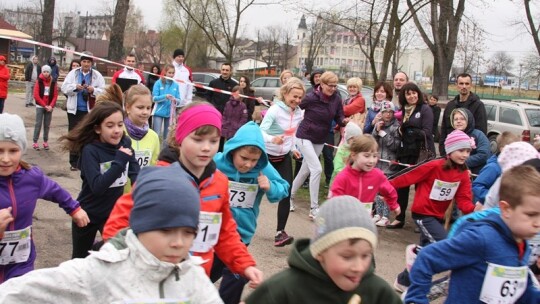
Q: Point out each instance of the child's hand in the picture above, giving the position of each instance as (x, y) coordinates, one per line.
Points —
(263, 181)
(296, 154)
(126, 150)
(379, 125)
(478, 207)
(397, 211)
(254, 275)
(80, 218)
(278, 139)
(5, 218)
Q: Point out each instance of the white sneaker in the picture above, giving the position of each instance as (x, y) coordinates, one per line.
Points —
(292, 207)
(383, 222)
(376, 218)
(313, 213)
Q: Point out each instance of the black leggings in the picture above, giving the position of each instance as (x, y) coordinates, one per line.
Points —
(73, 121)
(403, 193)
(284, 167)
(83, 238)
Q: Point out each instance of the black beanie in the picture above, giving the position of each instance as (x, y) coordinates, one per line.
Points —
(178, 52)
(312, 76)
(164, 197)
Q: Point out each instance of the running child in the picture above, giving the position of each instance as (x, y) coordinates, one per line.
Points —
(106, 162)
(438, 182)
(193, 145)
(488, 258)
(21, 185)
(165, 95)
(235, 113)
(361, 179)
(343, 152)
(45, 94)
(245, 163)
(279, 132)
(147, 263)
(144, 141)
(334, 266)
(386, 133)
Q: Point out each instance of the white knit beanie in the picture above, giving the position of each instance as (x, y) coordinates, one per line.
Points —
(12, 129)
(515, 154)
(352, 130)
(341, 218)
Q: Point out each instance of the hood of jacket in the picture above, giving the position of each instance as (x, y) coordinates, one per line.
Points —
(45, 80)
(248, 135)
(470, 119)
(301, 259)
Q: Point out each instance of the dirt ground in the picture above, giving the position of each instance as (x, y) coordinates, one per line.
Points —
(52, 227)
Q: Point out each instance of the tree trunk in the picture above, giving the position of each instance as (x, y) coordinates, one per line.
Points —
(116, 46)
(47, 28)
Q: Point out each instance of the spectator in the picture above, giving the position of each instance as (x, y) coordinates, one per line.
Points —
(31, 74)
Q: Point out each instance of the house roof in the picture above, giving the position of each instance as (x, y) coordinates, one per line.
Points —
(98, 47)
(9, 30)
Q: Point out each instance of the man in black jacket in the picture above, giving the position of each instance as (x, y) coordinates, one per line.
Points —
(31, 74)
(225, 83)
(465, 99)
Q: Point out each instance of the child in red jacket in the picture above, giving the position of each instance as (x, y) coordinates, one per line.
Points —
(45, 94)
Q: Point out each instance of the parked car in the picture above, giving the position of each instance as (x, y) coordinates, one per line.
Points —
(204, 79)
(518, 116)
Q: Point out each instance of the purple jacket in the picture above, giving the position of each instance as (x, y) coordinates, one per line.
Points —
(21, 190)
(235, 115)
(318, 116)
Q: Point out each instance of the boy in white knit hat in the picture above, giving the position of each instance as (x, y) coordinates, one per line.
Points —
(335, 266)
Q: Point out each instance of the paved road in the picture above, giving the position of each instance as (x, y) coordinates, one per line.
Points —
(52, 232)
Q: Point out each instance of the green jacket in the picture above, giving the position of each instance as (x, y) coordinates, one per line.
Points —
(340, 160)
(306, 282)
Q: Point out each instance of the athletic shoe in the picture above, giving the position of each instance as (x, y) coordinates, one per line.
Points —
(35, 146)
(399, 287)
(376, 218)
(313, 213)
(282, 239)
(45, 146)
(383, 222)
(292, 207)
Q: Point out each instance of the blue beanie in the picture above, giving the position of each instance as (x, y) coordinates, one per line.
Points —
(164, 197)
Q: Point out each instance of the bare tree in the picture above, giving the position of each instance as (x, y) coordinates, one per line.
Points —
(219, 20)
(269, 45)
(531, 66)
(443, 20)
(47, 28)
(500, 64)
(116, 46)
(286, 48)
(318, 33)
(64, 30)
(470, 47)
(533, 29)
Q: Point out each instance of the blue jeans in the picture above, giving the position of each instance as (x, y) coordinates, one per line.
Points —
(159, 122)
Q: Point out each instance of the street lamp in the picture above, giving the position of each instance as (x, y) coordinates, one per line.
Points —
(519, 80)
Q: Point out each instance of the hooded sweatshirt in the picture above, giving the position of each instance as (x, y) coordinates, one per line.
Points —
(307, 282)
(234, 116)
(280, 119)
(245, 200)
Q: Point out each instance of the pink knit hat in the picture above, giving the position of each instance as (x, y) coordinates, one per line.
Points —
(458, 140)
(516, 154)
(197, 116)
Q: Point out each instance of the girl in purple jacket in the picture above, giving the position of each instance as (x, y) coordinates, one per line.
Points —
(235, 114)
(21, 185)
(321, 106)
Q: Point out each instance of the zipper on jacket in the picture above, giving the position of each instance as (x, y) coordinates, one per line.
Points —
(13, 203)
(176, 273)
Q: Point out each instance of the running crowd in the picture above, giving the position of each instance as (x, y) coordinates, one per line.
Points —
(177, 203)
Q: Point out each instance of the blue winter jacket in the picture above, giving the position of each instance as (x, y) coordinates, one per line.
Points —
(467, 255)
(162, 107)
(246, 218)
(486, 178)
(482, 152)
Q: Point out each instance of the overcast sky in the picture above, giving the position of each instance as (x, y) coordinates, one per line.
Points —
(495, 16)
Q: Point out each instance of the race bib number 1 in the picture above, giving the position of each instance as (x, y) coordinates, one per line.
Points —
(15, 246)
(208, 234)
(503, 284)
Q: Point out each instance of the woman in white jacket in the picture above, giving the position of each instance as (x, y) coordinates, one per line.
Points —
(148, 263)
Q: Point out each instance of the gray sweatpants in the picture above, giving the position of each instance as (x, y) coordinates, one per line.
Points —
(42, 117)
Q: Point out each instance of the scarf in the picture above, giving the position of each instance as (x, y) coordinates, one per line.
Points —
(408, 111)
(349, 100)
(134, 131)
(376, 105)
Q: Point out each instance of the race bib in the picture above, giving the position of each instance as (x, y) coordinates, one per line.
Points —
(158, 301)
(368, 206)
(534, 244)
(503, 284)
(443, 191)
(119, 182)
(46, 90)
(143, 157)
(15, 246)
(242, 195)
(208, 234)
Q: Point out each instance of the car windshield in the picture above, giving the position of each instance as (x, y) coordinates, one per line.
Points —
(533, 115)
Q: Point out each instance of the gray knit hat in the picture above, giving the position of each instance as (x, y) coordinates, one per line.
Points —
(46, 68)
(352, 130)
(12, 129)
(341, 218)
(164, 197)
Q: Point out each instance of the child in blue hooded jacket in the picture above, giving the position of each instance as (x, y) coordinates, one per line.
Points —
(245, 162)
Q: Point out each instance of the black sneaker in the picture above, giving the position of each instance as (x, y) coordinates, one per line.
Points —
(282, 239)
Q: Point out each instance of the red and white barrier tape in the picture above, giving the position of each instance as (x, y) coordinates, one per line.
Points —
(265, 102)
